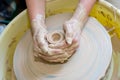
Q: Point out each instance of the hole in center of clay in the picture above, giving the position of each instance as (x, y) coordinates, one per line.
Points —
(56, 37)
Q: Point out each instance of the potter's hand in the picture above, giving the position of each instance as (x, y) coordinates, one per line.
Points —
(39, 34)
(36, 12)
(72, 30)
(57, 53)
(74, 26)
(60, 55)
(66, 51)
(39, 37)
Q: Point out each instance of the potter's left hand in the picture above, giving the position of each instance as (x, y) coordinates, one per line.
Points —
(72, 31)
(74, 26)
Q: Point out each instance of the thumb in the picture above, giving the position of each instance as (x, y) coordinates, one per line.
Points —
(68, 33)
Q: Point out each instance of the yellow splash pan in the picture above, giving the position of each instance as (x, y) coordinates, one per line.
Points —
(103, 11)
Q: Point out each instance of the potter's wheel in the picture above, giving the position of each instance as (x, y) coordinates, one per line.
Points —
(90, 61)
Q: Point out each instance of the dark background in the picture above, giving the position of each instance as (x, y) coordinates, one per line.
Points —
(10, 8)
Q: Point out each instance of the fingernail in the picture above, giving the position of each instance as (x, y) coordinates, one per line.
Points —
(69, 40)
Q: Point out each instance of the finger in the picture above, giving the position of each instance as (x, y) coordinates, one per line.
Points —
(74, 44)
(68, 33)
(55, 51)
(35, 54)
(52, 52)
(77, 36)
(59, 60)
(54, 57)
(60, 45)
(73, 47)
(71, 53)
(63, 59)
(35, 48)
(43, 45)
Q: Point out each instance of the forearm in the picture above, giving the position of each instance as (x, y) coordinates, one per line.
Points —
(87, 4)
(35, 7)
(83, 9)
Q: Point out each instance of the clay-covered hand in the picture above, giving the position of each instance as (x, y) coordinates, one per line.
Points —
(61, 55)
(57, 52)
(39, 34)
(74, 26)
(72, 31)
(66, 51)
(39, 38)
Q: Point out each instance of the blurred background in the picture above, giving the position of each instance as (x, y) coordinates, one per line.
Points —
(8, 10)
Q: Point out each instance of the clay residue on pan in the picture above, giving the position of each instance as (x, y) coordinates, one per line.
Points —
(12, 42)
(57, 37)
(116, 43)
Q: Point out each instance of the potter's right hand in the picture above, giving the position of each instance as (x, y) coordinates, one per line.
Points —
(39, 34)
(39, 37)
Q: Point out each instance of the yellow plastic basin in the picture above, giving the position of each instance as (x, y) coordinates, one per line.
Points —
(103, 11)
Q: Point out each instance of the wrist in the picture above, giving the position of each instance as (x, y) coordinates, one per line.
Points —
(39, 18)
(38, 23)
(80, 13)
